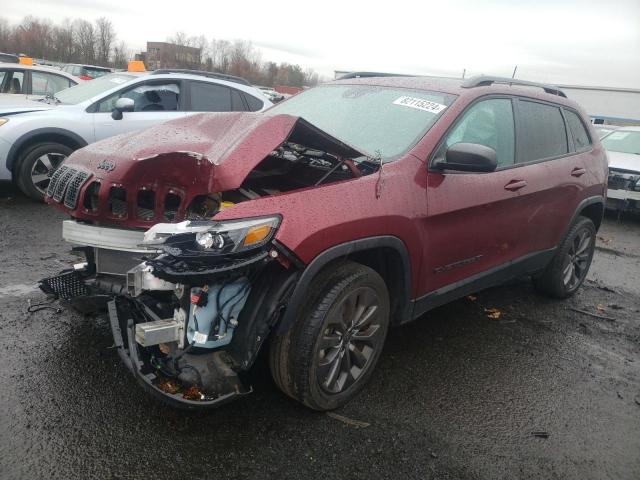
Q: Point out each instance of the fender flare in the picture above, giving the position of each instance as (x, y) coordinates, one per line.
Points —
(596, 199)
(20, 142)
(343, 250)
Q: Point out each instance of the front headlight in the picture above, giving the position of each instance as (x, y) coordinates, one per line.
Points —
(3, 121)
(212, 238)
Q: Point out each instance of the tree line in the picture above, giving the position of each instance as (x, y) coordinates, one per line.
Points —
(97, 43)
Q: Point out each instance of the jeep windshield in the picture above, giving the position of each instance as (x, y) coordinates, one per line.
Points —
(380, 121)
(89, 89)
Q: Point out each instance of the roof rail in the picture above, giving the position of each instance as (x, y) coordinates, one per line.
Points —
(202, 73)
(484, 81)
(371, 74)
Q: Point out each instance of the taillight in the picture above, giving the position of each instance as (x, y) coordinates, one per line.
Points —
(85, 77)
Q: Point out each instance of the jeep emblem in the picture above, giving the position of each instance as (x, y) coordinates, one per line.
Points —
(106, 165)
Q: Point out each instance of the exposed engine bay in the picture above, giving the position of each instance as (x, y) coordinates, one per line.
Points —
(190, 299)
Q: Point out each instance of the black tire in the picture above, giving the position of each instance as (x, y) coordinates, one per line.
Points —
(570, 265)
(321, 340)
(39, 162)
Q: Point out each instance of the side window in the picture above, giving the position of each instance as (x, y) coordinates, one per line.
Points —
(14, 82)
(581, 138)
(543, 132)
(254, 103)
(489, 123)
(147, 97)
(210, 97)
(237, 105)
(43, 83)
(77, 71)
(3, 76)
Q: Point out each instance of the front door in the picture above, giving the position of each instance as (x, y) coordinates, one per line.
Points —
(154, 102)
(474, 220)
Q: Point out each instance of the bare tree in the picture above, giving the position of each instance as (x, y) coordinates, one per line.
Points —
(105, 36)
(86, 41)
(120, 55)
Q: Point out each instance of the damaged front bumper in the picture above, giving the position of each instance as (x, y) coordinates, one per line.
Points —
(186, 325)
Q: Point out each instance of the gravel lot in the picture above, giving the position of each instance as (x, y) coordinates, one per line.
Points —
(543, 392)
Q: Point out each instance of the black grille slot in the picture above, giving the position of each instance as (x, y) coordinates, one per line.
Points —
(54, 180)
(61, 185)
(71, 197)
(118, 201)
(91, 198)
(171, 204)
(146, 204)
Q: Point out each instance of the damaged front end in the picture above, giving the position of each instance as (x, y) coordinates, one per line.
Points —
(190, 299)
(189, 318)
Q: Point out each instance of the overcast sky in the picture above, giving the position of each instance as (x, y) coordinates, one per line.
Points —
(585, 42)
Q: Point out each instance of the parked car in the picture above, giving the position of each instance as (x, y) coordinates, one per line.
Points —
(271, 94)
(86, 72)
(623, 150)
(33, 82)
(9, 58)
(604, 130)
(317, 225)
(35, 137)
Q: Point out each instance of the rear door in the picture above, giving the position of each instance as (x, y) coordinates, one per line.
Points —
(212, 97)
(155, 101)
(552, 170)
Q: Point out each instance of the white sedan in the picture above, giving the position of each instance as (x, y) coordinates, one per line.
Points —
(36, 136)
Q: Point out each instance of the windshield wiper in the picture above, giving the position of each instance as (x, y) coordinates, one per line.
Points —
(50, 96)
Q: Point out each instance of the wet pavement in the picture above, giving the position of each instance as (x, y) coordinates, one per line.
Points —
(542, 392)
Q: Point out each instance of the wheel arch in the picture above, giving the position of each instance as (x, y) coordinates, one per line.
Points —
(387, 255)
(40, 135)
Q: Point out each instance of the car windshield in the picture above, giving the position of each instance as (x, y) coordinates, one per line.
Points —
(95, 72)
(623, 141)
(378, 121)
(89, 89)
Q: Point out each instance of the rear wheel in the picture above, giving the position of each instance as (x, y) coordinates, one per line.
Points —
(569, 267)
(37, 165)
(326, 358)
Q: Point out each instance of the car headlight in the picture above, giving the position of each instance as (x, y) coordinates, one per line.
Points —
(3, 121)
(212, 238)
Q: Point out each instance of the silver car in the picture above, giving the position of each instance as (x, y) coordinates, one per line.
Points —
(36, 136)
(623, 150)
(33, 81)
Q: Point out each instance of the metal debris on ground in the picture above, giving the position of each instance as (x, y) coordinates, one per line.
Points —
(591, 314)
(348, 421)
(600, 307)
(540, 434)
(493, 313)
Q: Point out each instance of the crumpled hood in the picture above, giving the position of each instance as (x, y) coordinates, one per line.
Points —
(624, 161)
(227, 145)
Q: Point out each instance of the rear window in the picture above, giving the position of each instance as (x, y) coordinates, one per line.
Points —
(94, 72)
(253, 102)
(581, 138)
(543, 132)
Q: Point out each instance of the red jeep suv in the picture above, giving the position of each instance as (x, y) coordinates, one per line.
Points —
(313, 227)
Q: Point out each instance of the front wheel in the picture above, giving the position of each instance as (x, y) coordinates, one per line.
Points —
(37, 166)
(570, 265)
(329, 355)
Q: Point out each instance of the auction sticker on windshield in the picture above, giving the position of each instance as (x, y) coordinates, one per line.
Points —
(420, 104)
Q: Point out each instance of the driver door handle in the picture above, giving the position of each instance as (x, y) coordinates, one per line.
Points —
(514, 185)
(578, 171)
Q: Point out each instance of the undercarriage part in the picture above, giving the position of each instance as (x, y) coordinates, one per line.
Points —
(140, 278)
(159, 331)
(190, 382)
(214, 312)
(67, 285)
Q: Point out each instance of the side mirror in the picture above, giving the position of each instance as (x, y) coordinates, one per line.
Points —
(469, 157)
(122, 105)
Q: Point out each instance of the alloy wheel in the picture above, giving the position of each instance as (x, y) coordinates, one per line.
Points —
(352, 334)
(577, 259)
(43, 169)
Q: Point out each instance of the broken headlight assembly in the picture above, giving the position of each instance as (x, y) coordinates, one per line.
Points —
(211, 238)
